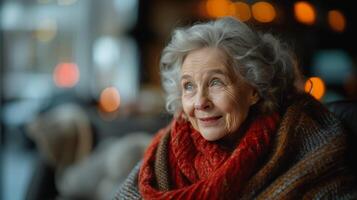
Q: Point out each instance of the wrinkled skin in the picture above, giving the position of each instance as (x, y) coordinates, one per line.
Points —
(215, 99)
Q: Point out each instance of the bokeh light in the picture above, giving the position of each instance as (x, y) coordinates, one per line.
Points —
(316, 87)
(332, 65)
(304, 12)
(66, 75)
(106, 52)
(336, 20)
(12, 14)
(218, 8)
(263, 12)
(240, 10)
(109, 100)
(46, 30)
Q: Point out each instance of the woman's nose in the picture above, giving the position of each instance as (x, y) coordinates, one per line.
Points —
(202, 101)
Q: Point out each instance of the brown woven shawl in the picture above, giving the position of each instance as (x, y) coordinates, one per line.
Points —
(306, 162)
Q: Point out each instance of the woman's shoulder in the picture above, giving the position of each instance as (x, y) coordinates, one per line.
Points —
(309, 152)
(306, 107)
(129, 188)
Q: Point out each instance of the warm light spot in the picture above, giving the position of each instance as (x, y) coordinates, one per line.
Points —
(336, 20)
(46, 30)
(316, 87)
(218, 8)
(240, 10)
(109, 99)
(263, 12)
(66, 75)
(304, 12)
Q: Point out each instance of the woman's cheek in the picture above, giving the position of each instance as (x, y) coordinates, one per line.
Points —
(187, 105)
(194, 124)
(232, 123)
(188, 109)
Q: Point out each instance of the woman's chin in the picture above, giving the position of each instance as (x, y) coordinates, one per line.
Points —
(212, 133)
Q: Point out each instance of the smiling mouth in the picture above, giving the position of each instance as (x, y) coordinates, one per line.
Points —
(209, 119)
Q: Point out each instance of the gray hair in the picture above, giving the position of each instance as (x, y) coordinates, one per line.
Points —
(265, 62)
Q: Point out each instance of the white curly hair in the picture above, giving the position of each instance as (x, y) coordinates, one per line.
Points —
(263, 60)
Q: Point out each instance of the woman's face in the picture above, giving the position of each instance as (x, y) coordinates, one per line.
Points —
(215, 99)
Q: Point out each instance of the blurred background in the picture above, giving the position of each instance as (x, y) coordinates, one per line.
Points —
(77, 72)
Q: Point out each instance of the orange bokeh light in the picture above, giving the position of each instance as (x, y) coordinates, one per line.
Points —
(240, 10)
(218, 8)
(316, 87)
(304, 12)
(336, 20)
(109, 99)
(263, 12)
(66, 75)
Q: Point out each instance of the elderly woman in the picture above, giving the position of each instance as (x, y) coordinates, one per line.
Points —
(241, 127)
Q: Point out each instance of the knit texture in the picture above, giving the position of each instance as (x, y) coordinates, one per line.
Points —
(306, 160)
(129, 190)
(198, 168)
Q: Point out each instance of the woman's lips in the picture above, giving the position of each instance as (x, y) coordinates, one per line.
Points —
(209, 118)
(209, 121)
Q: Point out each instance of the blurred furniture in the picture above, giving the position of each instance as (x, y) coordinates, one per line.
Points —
(43, 184)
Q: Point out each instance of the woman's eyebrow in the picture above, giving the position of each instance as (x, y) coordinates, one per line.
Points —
(210, 72)
(185, 76)
(217, 71)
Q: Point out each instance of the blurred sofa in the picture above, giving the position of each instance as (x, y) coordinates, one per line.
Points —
(82, 155)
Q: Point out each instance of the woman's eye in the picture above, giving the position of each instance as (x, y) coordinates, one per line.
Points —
(188, 86)
(216, 82)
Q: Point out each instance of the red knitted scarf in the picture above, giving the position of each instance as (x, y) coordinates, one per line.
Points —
(199, 169)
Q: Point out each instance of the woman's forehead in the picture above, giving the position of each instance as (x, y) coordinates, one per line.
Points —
(206, 72)
(206, 59)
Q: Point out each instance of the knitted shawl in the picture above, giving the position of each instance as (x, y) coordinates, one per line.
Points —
(305, 161)
(181, 164)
